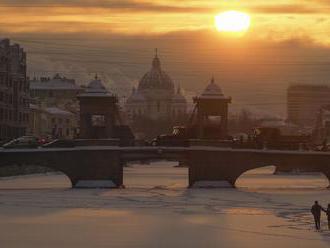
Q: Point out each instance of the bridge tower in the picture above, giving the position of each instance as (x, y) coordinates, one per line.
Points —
(99, 113)
(211, 112)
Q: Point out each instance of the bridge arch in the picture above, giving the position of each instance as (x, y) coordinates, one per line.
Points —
(265, 177)
(26, 168)
(228, 165)
(32, 176)
(85, 167)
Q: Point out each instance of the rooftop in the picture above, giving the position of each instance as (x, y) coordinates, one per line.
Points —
(96, 88)
(58, 111)
(55, 83)
(212, 91)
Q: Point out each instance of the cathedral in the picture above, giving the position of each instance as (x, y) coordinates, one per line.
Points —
(155, 97)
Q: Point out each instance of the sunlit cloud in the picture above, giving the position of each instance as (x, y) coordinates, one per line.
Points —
(282, 20)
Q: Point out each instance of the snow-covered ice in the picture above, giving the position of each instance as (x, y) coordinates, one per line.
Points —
(157, 210)
(83, 184)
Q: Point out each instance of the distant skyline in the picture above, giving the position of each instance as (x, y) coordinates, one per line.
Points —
(287, 42)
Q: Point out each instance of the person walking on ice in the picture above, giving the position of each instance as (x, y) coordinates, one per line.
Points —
(327, 212)
(316, 211)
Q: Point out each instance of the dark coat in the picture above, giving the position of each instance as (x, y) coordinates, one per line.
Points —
(316, 210)
(327, 212)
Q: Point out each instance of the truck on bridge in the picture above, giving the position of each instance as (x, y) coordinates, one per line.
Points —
(275, 138)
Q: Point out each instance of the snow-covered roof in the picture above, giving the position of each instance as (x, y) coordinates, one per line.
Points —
(55, 83)
(96, 88)
(212, 91)
(58, 111)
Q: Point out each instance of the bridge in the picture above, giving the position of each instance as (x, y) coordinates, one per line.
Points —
(103, 165)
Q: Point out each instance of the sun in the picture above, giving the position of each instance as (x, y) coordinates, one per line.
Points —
(232, 22)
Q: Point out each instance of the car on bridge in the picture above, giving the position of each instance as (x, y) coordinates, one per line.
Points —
(23, 142)
(179, 137)
(59, 143)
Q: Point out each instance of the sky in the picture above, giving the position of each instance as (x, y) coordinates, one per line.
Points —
(288, 42)
(277, 20)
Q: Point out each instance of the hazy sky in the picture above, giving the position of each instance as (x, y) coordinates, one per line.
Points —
(289, 41)
(279, 19)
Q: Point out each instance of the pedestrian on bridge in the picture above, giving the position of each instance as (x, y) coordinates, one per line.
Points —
(327, 212)
(316, 211)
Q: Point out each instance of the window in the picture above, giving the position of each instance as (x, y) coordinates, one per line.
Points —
(60, 132)
(98, 120)
(158, 106)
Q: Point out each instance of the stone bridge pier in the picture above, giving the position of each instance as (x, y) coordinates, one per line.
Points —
(94, 169)
(209, 167)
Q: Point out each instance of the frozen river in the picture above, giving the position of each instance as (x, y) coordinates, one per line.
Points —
(157, 210)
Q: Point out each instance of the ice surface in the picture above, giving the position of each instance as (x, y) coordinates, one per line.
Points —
(85, 184)
(157, 210)
(212, 184)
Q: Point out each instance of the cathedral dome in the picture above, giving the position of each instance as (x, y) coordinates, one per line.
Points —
(156, 78)
(135, 97)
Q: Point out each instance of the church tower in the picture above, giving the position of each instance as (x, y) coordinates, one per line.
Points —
(211, 111)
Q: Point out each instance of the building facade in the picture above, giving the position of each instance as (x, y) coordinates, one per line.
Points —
(304, 102)
(322, 126)
(52, 122)
(58, 91)
(14, 91)
(155, 97)
(54, 107)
